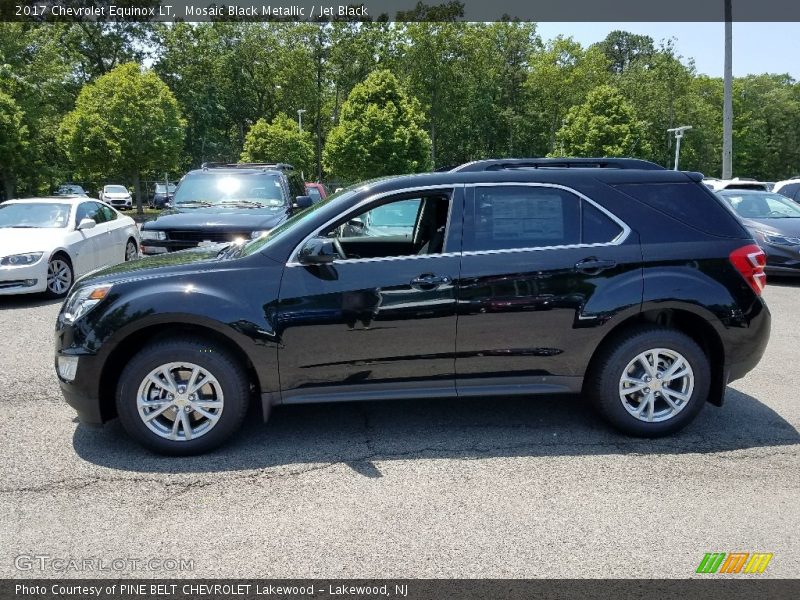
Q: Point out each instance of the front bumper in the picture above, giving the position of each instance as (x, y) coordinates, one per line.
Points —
(81, 387)
(29, 279)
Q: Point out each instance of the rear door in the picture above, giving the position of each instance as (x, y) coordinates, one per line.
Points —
(543, 269)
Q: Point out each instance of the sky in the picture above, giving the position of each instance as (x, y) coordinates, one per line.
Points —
(757, 47)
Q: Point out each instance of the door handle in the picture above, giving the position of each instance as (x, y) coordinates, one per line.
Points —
(429, 281)
(592, 265)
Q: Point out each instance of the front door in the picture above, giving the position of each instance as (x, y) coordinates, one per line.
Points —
(382, 317)
(543, 270)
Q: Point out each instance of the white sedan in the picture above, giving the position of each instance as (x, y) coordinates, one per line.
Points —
(46, 243)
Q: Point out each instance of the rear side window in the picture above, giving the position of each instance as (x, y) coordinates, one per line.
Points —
(597, 227)
(508, 217)
(691, 203)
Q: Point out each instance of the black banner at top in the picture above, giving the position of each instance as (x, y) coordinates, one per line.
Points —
(398, 10)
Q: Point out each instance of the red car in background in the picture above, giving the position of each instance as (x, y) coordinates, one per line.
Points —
(317, 191)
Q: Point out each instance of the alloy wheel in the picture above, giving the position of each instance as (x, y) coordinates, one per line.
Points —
(656, 385)
(59, 276)
(180, 401)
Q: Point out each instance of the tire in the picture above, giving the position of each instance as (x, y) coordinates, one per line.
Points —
(660, 408)
(60, 275)
(225, 395)
(131, 250)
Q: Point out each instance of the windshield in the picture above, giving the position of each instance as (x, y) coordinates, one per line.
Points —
(115, 189)
(294, 221)
(161, 188)
(762, 205)
(231, 189)
(65, 190)
(34, 215)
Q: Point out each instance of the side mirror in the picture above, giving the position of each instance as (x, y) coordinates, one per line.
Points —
(317, 251)
(303, 201)
(86, 223)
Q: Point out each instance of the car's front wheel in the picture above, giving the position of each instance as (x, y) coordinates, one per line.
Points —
(183, 396)
(59, 276)
(650, 382)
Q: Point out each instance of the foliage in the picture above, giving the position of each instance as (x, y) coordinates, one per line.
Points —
(605, 125)
(479, 90)
(13, 140)
(379, 133)
(124, 124)
(279, 141)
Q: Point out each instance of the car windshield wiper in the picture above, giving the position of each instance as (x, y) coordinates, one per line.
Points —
(248, 203)
(197, 202)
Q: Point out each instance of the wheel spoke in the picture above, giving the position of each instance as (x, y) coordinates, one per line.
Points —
(187, 426)
(208, 415)
(169, 380)
(675, 370)
(668, 399)
(190, 385)
(636, 385)
(153, 414)
(175, 424)
(675, 394)
(207, 379)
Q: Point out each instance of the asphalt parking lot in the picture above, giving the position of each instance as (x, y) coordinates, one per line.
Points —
(470, 488)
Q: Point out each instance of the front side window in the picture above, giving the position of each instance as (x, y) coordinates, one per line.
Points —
(400, 227)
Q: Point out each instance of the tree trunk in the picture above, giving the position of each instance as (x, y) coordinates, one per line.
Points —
(8, 186)
(137, 190)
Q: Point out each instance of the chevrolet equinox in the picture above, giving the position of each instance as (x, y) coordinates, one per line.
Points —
(614, 278)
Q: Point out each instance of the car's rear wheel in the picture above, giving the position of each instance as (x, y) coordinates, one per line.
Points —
(650, 382)
(182, 397)
(59, 276)
(131, 250)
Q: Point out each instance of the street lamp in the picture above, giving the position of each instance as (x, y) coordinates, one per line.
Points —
(300, 112)
(678, 131)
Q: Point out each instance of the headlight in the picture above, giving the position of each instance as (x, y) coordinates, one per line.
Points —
(778, 240)
(258, 234)
(83, 300)
(20, 260)
(153, 235)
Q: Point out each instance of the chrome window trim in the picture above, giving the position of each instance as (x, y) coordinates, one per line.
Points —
(623, 235)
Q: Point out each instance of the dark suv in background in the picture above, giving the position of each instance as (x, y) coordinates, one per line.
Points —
(613, 278)
(223, 203)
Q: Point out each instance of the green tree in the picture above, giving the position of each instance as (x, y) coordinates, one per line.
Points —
(125, 123)
(13, 142)
(605, 125)
(622, 49)
(380, 132)
(279, 141)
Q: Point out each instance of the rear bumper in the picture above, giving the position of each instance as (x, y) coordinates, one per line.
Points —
(751, 345)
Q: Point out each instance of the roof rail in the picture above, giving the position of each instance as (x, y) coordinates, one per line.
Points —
(500, 164)
(221, 165)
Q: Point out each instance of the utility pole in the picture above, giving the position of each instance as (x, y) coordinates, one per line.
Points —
(678, 131)
(300, 112)
(727, 103)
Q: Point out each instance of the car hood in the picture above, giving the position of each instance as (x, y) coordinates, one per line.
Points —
(157, 266)
(787, 227)
(17, 241)
(209, 219)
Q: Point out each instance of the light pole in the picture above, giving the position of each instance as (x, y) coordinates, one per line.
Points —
(300, 112)
(678, 131)
(727, 101)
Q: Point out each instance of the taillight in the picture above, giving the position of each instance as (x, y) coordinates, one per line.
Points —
(750, 261)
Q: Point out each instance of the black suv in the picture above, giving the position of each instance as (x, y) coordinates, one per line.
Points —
(615, 278)
(223, 203)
